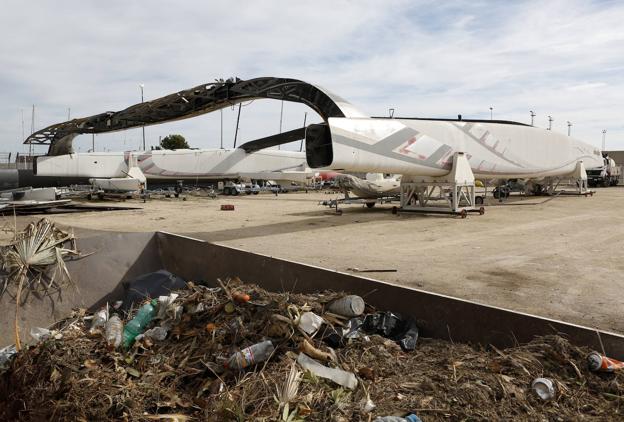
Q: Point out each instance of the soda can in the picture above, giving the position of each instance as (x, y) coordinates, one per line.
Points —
(349, 306)
(544, 388)
(600, 363)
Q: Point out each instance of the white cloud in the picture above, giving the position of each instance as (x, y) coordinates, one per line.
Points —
(561, 58)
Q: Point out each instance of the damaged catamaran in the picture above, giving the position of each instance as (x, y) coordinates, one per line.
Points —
(447, 154)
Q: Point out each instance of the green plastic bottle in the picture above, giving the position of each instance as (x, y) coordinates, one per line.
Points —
(137, 325)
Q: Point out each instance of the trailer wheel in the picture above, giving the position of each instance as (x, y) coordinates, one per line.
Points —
(481, 211)
(370, 204)
(463, 214)
(395, 210)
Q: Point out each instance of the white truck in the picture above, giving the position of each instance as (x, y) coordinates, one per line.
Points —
(607, 175)
(233, 188)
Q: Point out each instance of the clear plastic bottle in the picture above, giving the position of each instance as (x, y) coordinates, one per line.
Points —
(137, 325)
(99, 320)
(113, 331)
(251, 355)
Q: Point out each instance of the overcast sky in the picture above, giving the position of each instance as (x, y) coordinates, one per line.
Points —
(423, 58)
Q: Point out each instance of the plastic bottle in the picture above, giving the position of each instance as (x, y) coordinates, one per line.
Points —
(99, 320)
(137, 325)
(408, 418)
(113, 331)
(251, 355)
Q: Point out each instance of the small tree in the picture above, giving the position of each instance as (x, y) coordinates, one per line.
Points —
(174, 142)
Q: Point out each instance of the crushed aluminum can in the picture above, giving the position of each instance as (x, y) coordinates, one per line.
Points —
(544, 388)
(600, 363)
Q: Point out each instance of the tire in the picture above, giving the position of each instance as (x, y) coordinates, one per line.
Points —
(226, 191)
(478, 200)
(370, 204)
(256, 192)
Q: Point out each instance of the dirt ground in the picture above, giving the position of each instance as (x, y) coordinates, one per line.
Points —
(559, 258)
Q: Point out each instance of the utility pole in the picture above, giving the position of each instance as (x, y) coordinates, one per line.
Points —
(93, 142)
(604, 139)
(305, 116)
(32, 130)
(550, 120)
(237, 120)
(68, 113)
(532, 117)
(221, 110)
(569, 126)
(143, 127)
(491, 109)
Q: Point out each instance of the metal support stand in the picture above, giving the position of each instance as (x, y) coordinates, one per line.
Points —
(578, 177)
(451, 194)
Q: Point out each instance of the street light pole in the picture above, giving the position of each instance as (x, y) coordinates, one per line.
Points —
(281, 116)
(604, 140)
(143, 127)
(491, 108)
(550, 120)
(532, 117)
(221, 110)
(569, 127)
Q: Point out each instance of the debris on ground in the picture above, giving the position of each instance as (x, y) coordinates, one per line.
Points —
(34, 264)
(233, 352)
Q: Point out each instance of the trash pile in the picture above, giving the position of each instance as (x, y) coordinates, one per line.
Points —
(234, 351)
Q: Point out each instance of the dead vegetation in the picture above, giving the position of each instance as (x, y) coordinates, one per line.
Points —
(33, 263)
(78, 377)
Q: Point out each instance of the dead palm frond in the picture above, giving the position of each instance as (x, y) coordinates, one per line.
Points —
(34, 262)
(289, 391)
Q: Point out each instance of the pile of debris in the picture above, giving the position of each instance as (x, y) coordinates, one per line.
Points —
(237, 352)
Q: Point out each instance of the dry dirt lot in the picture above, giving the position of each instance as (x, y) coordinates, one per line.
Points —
(558, 258)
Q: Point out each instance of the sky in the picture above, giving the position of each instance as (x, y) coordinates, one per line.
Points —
(422, 58)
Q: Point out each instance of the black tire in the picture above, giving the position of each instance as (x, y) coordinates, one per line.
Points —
(478, 200)
(370, 204)
(235, 192)
(256, 192)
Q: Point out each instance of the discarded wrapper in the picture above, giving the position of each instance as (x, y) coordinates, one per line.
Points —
(340, 377)
(310, 322)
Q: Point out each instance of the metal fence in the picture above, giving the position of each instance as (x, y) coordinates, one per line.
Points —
(10, 160)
